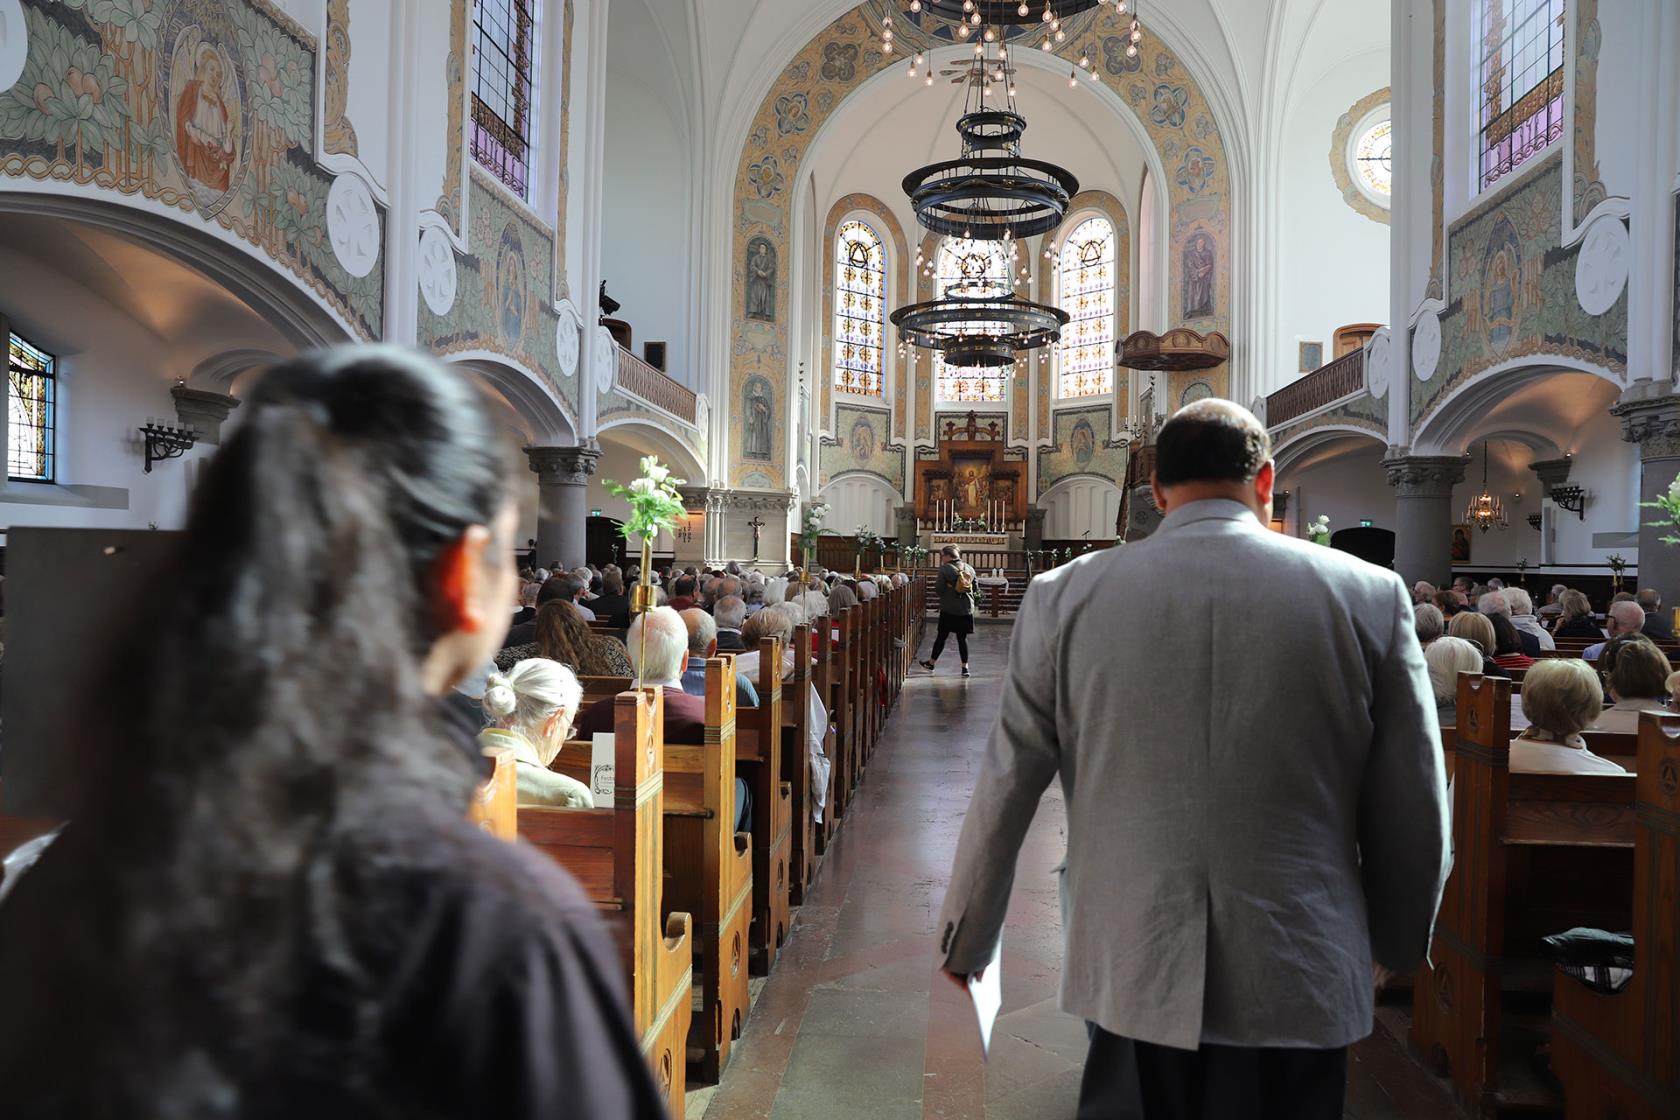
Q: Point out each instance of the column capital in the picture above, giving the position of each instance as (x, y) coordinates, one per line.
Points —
(562, 466)
(697, 499)
(761, 501)
(1424, 476)
(203, 410)
(1651, 421)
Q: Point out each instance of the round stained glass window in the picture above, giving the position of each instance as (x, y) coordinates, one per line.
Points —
(1372, 162)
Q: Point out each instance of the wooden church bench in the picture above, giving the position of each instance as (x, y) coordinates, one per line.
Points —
(708, 866)
(793, 730)
(760, 763)
(617, 857)
(1618, 1055)
(1534, 854)
(495, 803)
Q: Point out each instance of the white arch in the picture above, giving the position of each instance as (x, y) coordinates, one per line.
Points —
(651, 438)
(859, 498)
(1081, 504)
(551, 419)
(1296, 447)
(1451, 426)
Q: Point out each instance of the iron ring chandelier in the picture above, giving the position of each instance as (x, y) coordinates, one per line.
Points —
(985, 331)
(984, 196)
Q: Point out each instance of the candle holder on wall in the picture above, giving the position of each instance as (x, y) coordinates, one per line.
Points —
(166, 441)
(1571, 498)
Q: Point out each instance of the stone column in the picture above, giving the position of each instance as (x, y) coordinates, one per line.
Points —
(690, 541)
(1651, 419)
(203, 411)
(905, 526)
(1034, 535)
(562, 501)
(1423, 515)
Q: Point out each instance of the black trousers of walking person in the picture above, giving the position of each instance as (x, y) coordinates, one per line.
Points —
(959, 626)
(1129, 1080)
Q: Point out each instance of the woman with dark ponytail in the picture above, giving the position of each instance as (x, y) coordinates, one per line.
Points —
(268, 901)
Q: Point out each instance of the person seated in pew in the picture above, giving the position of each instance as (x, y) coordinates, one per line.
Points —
(1561, 698)
(527, 604)
(531, 708)
(730, 614)
(1427, 621)
(562, 635)
(1448, 657)
(1447, 603)
(1497, 604)
(1553, 608)
(702, 643)
(1658, 626)
(1508, 645)
(658, 648)
(1575, 619)
(1522, 617)
(612, 605)
(867, 590)
(1478, 631)
(269, 901)
(1636, 681)
(778, 623)
(1623, 617)
(683, 591)
(841, 598)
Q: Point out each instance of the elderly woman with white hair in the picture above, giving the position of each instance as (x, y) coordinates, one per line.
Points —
(1561, 697)
(1447, 658)
(531, 708)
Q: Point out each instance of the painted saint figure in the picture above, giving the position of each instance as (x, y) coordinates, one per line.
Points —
(1198, 277)
(761, 281)
(203, 134)
(756, 444)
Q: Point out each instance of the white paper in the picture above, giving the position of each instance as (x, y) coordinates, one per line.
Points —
(603, 752)
(986, 990)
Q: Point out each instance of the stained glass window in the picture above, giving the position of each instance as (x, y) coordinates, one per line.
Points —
(504, 57)
(31, 401)
(860, 291)
(1373, 162)
(971, 268)
(1521, 81)
(1085, 276)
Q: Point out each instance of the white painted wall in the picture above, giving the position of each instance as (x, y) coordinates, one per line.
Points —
(860, 499)
(1334, 260)
(646, 257)
(1343, 482)
(1080, 506)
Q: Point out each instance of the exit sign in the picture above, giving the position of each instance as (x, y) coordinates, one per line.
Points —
(597, 513)
(1364, 522)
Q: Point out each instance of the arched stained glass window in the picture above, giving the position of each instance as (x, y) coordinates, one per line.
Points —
(1085, 276)
(860, 294)
(504, 59)
(971, 268)
(31, 402)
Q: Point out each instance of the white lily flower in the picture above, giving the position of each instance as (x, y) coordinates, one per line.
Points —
(657, 472)
(1674, 489)
(642, 486)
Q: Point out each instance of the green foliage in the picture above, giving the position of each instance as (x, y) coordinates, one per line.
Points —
(68, 93)
(655, 504)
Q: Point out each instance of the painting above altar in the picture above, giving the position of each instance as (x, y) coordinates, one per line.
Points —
(973, 478)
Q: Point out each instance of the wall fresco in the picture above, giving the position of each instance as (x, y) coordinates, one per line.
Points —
(1083, 445)
(1512, 292)
(861, 443)
(204, 106)
(811, 87)
(1586, 191)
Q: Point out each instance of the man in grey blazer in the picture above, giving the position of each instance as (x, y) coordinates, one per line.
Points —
(1246, 739)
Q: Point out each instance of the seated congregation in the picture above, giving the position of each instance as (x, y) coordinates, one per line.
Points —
(1562, 745)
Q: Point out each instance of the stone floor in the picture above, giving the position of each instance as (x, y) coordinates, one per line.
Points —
(855, 1022)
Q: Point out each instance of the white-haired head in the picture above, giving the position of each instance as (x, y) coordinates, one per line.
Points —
(815, 604)
(537, 698)
(1626, 618)
(867, 590)
(730, 612)
(1494, 602)
(658, 644)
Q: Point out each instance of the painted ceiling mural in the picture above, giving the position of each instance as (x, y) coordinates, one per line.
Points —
(1156, 85)
(204, 106)
(1513, 293)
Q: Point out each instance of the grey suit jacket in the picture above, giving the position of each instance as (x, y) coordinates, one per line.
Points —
(1247, 743)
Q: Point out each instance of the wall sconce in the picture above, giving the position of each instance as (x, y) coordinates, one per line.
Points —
(1571, 498)
(166, 441)
(1534, 522)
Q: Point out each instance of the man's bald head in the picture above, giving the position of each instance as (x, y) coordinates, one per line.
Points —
(1214, 449)
(1626, 618)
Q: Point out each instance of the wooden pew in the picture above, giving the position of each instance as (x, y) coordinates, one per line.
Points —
(823, 669)
(495, 803)
(792, 730)
(710, 869)
(760, 763)
(842, 712)
(1618, 1055)
(617, 857)
(1533, 854)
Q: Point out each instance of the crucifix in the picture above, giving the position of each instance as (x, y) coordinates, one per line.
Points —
(757, 526)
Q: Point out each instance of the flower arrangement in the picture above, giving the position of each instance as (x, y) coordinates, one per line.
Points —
(1618, 565)
(655, 507)
(1669, 504)
(867, 539)
(1318, 529)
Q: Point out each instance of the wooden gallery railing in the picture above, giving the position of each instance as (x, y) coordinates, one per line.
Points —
(654, 386)
(1325, 385)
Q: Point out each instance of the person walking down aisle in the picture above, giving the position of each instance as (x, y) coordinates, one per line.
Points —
(956, 606)
(269, 901)
(1284, 838)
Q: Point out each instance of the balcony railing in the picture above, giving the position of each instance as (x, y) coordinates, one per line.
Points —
(652, 385)
(1325, 385)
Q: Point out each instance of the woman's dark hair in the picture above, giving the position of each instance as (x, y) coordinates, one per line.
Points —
(262, 728)
(1448, 602)
(1505, 637)
(1639, 670)
(562, 634)
(1211, 441)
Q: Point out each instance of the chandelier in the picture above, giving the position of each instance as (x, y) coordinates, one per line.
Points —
(997, 20)
(1485, 511)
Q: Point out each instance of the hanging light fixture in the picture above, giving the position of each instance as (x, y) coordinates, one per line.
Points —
(1485, 511)
(1002, 20)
